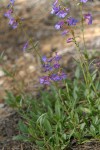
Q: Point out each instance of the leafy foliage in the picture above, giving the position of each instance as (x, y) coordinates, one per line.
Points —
(58, 116)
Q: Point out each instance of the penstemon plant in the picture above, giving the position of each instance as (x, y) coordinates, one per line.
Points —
(65, 114)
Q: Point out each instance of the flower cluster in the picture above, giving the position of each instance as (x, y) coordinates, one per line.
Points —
(53, 69)
(13, 22)
(68, 21)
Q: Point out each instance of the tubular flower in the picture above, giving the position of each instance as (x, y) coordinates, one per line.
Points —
(58, 11)
(13, 23)
(62, 14)
(69, 40)
(12, 1)
(25, 46)
(88, 18)
(8, 13)
(55, 8)
(65, 32)
(59, 25)
(53, 67)
(83, 1)
(71, 21)
(45, 80)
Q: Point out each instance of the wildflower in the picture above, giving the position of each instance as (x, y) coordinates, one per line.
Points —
(44, 58)
(12, 1)
(62, 14)
(59, 25)
(8, 13)
(55, 77)
(47, 67)
(13, 23)
(65, 32)
(58, 77)
(63, 76)
(25, 46)
(57, 57)
(52, 66)
(83, 1)
(45, 80)
(69, 40)
(56, 66)
(71, 21)
(55, 8)
(88, 18)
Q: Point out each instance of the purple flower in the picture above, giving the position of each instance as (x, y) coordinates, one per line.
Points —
(62, 14)
(65, 32)
(69, 40)
(47, 67)
(52, 65)
(63, 76)
(55, 77)
(13, 23)
(71, 21)
(55, 8)
(44, 58)
(56, 66)
(57, 57)
(8, 13)
(59, 25)
(83, 1)
(12, 1)
(45, 80)
(25, 46)
(88, 18)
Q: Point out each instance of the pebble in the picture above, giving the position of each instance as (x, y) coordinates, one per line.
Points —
(1, 73)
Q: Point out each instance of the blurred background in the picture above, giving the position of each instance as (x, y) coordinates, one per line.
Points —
(39, 25)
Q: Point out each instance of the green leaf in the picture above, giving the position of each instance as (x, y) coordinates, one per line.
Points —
(48, 126)
(23, 128)
(7, 73)
(57, 109)
(20, 138)
(77, 73)
(92, 130)
(40, 143)
(82, 126)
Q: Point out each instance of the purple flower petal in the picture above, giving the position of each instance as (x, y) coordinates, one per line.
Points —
(59, 25)
(44, 58)
(45, 80)
(88, 18)
(63, 76)
(55, 77)
(71, 21)
(69, 40)
(56, 66)
(12, 1)
(62, 14)
(8, 13)
(65, 32)
(25, 46)
(83, 1)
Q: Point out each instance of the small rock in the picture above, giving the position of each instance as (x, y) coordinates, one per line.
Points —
(31, 69)
(1, 73)
(1, 105)
(22, 73)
